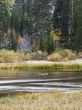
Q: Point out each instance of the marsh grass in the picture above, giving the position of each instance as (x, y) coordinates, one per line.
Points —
(42, 101)
(42, 67)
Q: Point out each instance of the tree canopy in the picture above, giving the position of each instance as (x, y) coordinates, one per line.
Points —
(39, 18)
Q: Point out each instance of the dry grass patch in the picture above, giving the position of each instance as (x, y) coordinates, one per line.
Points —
(42, 101)
(39, 55)
(7, 56)
(62, 55)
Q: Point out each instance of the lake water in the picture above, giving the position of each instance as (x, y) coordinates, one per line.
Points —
(40, 81)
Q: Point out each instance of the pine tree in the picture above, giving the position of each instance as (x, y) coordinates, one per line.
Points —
(76, 41)
(5, 14)
(61, 20)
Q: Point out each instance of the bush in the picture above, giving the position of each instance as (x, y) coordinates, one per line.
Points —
(80, 55)
(39, 55)
(55, 57)
(68, 54)
(11, 56)
(24, 56)
(62, 55)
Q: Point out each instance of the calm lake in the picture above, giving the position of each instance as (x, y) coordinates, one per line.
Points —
(16, 81)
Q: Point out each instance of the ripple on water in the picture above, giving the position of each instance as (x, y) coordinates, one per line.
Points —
(45, 83)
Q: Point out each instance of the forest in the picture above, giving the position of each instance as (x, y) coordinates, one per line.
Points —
(40, 54)
(44, 25)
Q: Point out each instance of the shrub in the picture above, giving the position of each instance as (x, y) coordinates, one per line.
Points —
(80, 55)
(24, 56)
(68, 54)
(63, 55)
(11, 56)
(39, 55)
(55, 57)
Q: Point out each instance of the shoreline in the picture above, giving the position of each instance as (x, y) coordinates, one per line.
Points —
(74, 65)
(76, 61)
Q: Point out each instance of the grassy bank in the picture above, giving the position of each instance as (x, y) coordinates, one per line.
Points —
(7, 56)
(42, 101)
(10, 60)
(42, 67)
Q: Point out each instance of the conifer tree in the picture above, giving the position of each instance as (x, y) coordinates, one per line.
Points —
(61, 20)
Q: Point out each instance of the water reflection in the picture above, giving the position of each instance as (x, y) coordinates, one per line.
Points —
(40, 81)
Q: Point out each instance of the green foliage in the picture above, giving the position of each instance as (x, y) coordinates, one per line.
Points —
(76, 40)
(5, 11)
(35, 16)
(62, 20)
(9, 5)
(48, 42)
(42, 23)
(5, 14)
(41, 16)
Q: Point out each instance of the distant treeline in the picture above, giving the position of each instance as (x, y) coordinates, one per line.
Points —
(50, 24)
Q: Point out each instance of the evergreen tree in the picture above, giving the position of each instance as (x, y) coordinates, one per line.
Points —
(5, 14)
(42, 21)
(61, 20)
(76, 42)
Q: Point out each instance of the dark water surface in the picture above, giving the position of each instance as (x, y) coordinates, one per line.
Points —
(40, 81)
